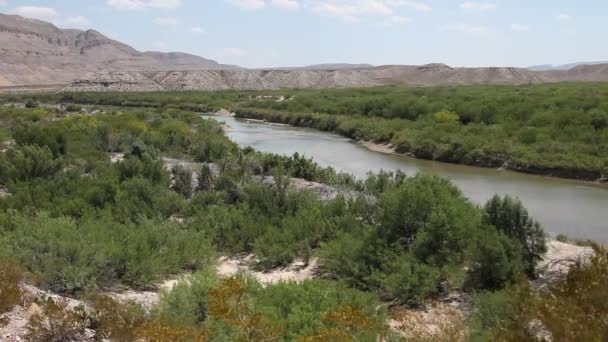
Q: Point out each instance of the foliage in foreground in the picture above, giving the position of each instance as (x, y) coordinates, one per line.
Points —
(572, 309)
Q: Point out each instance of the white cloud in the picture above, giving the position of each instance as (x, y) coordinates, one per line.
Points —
(520, 28)
(563, 17)
(3, 3)
(355, 10)
(477, 6)
(165, 21)
(198, 30)
(417, 5)
(467, 28)
(168, 4)
(42, 13)
(131, 5)
(126, 4)
(286, 4)
(77, 21)
(249, 4)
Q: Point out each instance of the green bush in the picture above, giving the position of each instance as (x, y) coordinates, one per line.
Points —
(510, 217)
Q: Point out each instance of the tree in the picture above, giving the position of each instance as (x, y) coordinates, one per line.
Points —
(510, 217)
(496, 260)
(446, 116)
(599, 119)
(205, 178)
(29, 162)
(182, 183)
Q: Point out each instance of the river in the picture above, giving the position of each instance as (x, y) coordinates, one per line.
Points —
(577, 209)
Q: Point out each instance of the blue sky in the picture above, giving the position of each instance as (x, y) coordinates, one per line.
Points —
(266, 33)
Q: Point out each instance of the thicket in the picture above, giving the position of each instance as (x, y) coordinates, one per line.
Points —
(556, 129)
(95, 201)
(549, 129)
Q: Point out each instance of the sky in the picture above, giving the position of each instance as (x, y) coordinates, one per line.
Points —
(274, 33)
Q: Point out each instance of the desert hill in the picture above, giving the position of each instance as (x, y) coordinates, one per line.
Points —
(34, 52)
(37, 52)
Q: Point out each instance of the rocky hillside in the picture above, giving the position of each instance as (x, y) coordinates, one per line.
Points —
(221, 79)
(37, 52)
(427, 75)
(34, 52)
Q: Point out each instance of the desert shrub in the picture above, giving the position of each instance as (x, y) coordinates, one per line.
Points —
(57, 322)
(52, 137)
(492, 309)
(187, 303)
(511, 218)
(10, 293)
(349, 323)
(182, 181)
(495, 261)
(205, 178)
(407, 279)
(72, 256)
(562, 238)
(303, 309)
(446, 117)
(571, 309)
(114, 321)
(25, 163)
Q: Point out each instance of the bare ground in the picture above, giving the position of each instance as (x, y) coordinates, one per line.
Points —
(296, 272)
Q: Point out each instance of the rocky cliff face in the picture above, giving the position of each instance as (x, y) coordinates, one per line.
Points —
(37, 52)
(282, 79)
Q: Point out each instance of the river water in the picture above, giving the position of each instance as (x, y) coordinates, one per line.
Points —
(577, 209)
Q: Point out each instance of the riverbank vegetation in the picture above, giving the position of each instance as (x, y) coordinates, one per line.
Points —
(552, 129)
(130, 196)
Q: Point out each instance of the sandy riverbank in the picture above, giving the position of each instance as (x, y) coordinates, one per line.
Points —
(382, 148)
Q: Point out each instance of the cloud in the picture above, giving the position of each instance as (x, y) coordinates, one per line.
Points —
(520, 28)
(165, 21)
(477, 6)
(3, 3)
(131, 5)
(354, 10)
(467, 28)
(249, 4)
(126, 4)
(42, 13)
(286, 4)
(198, 30)
(563, 17)
(168, 4)
(416, 5)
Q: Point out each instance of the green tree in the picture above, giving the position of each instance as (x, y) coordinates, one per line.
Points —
(205, 178)
(511, 218)
(182, 180)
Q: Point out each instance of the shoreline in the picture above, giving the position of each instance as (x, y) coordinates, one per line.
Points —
(387, 148)
(392, 150)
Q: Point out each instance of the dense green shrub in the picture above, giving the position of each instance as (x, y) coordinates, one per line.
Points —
(510, 217)
(74, 255)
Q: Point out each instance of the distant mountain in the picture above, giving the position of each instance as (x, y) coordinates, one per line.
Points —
(37, 52)
(548, 67)
(328, 66)
(34, 52)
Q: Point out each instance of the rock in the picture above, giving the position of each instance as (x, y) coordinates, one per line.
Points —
(557, 261)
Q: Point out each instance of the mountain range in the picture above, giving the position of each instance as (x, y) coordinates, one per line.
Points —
(35, 52)
(547, 67)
